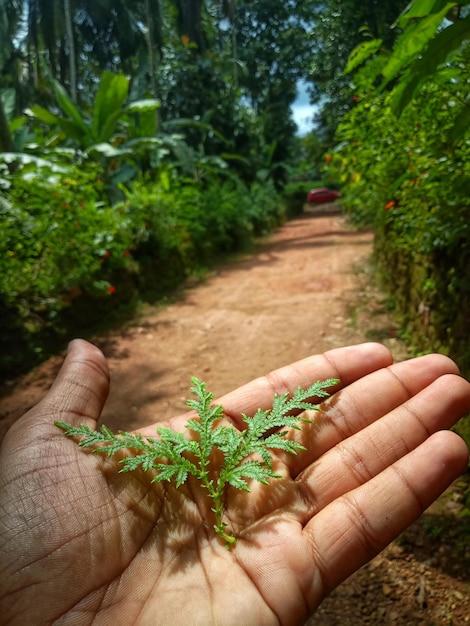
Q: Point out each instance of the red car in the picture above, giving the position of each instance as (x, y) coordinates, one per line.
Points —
(322, 194)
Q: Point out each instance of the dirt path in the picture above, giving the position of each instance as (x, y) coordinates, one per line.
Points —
(290, 299)
(304, 291)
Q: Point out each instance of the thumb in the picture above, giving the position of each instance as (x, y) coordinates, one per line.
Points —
(81, 387)
(77, 395)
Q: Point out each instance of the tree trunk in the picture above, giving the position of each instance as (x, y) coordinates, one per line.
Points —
(151, 48)
(190, 23)
(6, 140)
(234, 41)
(71, 50)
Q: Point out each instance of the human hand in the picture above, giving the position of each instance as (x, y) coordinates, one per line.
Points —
(81, 543)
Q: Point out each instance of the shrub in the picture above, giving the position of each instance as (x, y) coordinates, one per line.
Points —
(70, 261)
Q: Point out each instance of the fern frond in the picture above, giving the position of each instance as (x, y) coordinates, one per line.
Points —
(247, 454)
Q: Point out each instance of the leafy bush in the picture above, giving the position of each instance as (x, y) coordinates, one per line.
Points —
(69, 259)
(59, 241)
(404, 178)
(408, 177)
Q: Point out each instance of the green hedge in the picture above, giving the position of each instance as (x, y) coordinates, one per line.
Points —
(72, 263)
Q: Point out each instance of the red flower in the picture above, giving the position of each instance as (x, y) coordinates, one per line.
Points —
(389, 205)
(328, 158)
(112, 289)
(127, 253)
(355, 98)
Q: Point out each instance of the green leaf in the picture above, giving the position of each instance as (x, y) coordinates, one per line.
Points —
(361, 53)
(112, 93)
(178, 441)
(17, 123)
(107, 150)
(226, 438)
(252, 470)
(44, 115)
(69, 127)
(440, 48)
(142, 106)
(421, 8)
(411, 43)
(164, 472)
(132, 463)
(69, 108)
(278, 441)
(461, 126)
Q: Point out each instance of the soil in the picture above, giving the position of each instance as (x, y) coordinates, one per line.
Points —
(308, 288)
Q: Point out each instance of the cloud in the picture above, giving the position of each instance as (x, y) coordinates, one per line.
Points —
(303, 117)
(302, 110)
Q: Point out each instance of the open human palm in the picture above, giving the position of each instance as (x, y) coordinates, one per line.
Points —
(81, 543)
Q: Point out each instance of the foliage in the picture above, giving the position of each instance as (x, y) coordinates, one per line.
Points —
(120, 136)
(247, 56)
(404, 171)
(246, 455)
(56, 232)
(60, 241)
(70, 258)
(274, 49)
(432, 34)
(338, 27)
(295, 195)
(139, 144)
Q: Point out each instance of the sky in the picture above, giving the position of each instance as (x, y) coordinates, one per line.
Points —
(302, 110)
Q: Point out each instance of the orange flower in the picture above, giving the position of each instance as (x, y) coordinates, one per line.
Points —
(390, 204)
(328, 158)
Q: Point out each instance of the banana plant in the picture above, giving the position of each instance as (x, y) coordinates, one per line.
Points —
(124, 136)
(115, 132)
(83, 130)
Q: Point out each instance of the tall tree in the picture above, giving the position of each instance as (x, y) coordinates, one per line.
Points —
(190, 22)
(338, 27)
(6, 140)
(274, 48)
(153, 20)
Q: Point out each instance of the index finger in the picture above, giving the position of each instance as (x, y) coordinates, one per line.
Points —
(346, 364)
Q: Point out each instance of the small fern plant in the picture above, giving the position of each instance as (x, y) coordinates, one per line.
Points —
(246, 454)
